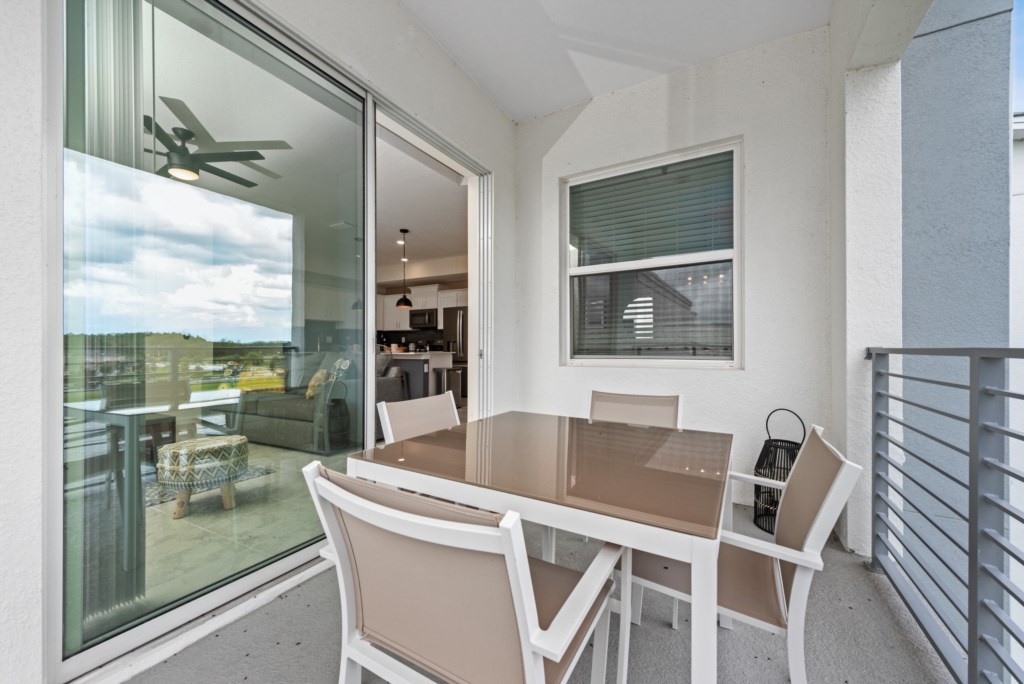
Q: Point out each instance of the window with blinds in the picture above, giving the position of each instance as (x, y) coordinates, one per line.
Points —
(651, 262)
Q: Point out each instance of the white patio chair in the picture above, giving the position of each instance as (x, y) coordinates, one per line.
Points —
(404, 419)
(762, 583)
(450, 590)
(636, 409)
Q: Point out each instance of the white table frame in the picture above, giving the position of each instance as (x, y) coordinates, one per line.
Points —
(700, 552)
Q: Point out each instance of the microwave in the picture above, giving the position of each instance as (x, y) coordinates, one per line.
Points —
(423, 318)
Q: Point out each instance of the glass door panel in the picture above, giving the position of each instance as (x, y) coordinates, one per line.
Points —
(213, 280)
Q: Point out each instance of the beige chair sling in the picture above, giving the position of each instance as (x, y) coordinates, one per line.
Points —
(404, 419)
(635, 409)
(767, 584)
(450, 590)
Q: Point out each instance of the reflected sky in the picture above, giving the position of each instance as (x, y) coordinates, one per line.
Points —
(144, 253)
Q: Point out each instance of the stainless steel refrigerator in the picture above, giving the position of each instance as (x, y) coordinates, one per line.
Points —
(456, 333)
(456, 340)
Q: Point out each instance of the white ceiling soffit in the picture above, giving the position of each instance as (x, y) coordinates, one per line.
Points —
(536, 57)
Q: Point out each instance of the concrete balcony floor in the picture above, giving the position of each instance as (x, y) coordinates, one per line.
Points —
(858, 631)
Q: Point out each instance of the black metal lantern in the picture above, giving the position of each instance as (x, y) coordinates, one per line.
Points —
(775, 462)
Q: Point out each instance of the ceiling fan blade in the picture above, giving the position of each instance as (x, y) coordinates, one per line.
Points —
(162, 171)
(188, 119)
(231, 145)
(226, 176)
(156, 129)
(226, 156)
(146, 149)
(260, 169)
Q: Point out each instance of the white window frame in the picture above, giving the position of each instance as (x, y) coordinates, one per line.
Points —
(566, 272)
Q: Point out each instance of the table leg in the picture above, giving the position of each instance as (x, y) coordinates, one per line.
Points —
(625, 614)
(704, 610)
(547, 544)
(727, 511)
(133, 507)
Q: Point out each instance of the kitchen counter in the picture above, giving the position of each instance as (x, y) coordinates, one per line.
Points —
(442, 359)
(419, 368)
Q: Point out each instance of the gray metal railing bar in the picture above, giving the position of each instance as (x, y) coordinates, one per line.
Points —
(937, 526)
(1005, 658)
(908, 553)
(968, 352)
(1005, 544)
(920, 486)
(1005, 469)
(1005, 620)
(929, 381)
(996, 392)
(939, 412)
(921, 432)
(1005, 507)
(958, 632)
(1005, 431)
(898, 444)
(1008, 585)
(944, 642)
(888, 523)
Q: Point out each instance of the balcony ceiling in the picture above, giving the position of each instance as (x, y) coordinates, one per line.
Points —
(536, 57)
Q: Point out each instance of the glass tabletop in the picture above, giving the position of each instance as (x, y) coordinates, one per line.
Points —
(673, 479)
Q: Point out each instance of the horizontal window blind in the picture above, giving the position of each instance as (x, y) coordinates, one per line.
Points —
(677, 312)
(678, 208)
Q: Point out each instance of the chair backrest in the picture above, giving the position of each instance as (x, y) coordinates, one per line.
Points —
(404, 419)
(819, 484)
(429, 580)
(635, 409)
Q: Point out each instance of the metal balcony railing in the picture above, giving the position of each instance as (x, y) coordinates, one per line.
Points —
(948, 500)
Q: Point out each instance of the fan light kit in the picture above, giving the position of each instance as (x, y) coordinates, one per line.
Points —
(403, 302)
(185, 164)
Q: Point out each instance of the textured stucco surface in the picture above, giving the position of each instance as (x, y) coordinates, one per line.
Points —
(22, 234)
(775, 96)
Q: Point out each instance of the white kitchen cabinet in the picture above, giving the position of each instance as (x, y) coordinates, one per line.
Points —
(380, 312)
(392, 317)
(323, 304)
(424, 297)
(449, 298)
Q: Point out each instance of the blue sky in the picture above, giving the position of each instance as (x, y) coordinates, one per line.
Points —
(144, 253)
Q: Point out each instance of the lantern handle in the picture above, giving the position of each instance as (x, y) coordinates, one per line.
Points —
(802, 426)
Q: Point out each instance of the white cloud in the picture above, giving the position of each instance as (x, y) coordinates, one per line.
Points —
(146, 253)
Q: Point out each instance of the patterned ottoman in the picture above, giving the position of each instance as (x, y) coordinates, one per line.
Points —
(202, 463)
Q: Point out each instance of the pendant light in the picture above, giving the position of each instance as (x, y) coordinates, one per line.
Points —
(403, 301)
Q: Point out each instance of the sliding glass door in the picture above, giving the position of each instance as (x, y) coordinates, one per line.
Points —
(213, 305)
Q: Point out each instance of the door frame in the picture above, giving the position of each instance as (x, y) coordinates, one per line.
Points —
(479, 234)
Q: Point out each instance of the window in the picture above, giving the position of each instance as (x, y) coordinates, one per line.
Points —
(651, 261)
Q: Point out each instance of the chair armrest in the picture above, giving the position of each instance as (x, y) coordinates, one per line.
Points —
(807, 559)
(554, 641)
(754, 479)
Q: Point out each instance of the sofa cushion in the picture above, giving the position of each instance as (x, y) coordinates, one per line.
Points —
(287, 406)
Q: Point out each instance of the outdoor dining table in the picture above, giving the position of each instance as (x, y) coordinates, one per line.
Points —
(650, 489)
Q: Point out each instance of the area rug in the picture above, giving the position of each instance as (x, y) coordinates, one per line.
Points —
(156, 493)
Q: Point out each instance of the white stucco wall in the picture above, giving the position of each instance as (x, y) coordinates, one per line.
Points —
(22, 311)
(775, 96)
(385, 48)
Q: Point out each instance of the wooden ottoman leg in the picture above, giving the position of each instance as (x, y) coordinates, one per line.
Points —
(227, 493)
(181, 503)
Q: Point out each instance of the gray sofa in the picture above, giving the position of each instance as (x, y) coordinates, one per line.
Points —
(288, 419)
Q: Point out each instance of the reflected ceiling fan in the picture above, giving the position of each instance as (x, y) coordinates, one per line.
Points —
(185, 164)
